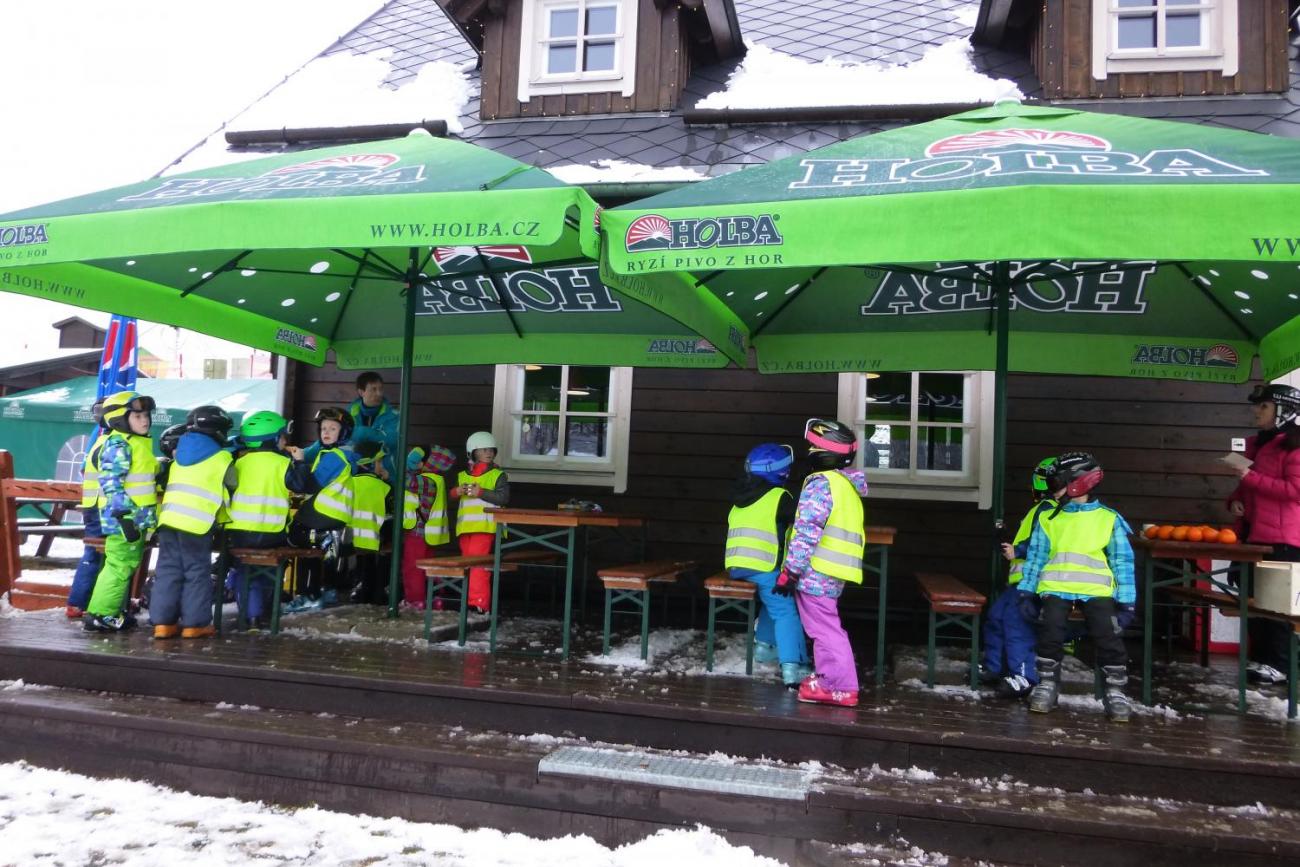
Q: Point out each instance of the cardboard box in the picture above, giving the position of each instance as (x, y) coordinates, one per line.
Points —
(1277, 587)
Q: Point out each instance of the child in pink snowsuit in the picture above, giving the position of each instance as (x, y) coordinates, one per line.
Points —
(824, 553)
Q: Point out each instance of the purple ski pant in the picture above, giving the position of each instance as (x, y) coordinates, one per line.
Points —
(832, 655)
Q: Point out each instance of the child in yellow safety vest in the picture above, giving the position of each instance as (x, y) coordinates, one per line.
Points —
(200, 478)
(372, 498)
(424, 515)
(83, 579)
(483, 484)
(1079, 553)
(128, 498)
(1007, 638)
(322, 518)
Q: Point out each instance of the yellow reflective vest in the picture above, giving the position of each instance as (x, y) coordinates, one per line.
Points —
(843, 541)
(260, 502)
(472, 515)
(436, 528)
(141, 482)
(1022, 535)
(752, 540)
(196, 496)
(335, 499)
(90, 473)
(1077, 562)
(369, 510)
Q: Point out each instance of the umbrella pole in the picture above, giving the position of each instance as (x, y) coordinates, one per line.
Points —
(1002, 298)
(399, 460)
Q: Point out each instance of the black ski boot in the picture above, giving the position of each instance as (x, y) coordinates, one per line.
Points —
(1043, 697)
(1118, 706)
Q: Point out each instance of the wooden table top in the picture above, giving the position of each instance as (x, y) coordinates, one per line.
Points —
(880, 535)
(1170, 550)
(563, 518)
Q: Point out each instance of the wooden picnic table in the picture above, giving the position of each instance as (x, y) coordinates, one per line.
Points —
(1170, 559)
(558, 532)
(879, 541)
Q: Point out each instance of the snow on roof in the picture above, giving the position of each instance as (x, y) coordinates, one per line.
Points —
(944, 74)
(623, 172)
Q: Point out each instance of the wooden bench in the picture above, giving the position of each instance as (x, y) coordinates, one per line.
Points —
(631, 583)
(16, 493)
(727, 594)
(262, 563)
(952, 603)
(452, 573)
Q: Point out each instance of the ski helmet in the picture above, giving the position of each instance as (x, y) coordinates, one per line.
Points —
(479, 440)
(771, 462)
(1076, 472)
(831, 444)
(1041, 474)
(342, 416)
(170, 437)
(262, 426)
(1284, 398)
(118, 406)
(210, 420)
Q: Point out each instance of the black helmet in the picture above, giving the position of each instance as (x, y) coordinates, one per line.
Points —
(210, 420)
(342, 416)
(170, 437)
(831, 444)
(1284, 397)
(1077, 472)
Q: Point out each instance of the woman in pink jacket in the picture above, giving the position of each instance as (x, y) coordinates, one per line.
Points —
(1267, 502)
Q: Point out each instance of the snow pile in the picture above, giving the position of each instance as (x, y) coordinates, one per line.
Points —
(623, 172)
(54, 817)
(770, 79)
(966, 15)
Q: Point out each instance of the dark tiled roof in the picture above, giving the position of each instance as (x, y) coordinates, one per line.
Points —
(886, 31)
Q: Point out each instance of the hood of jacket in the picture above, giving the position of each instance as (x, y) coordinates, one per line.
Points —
(748, 490)
(194, 447)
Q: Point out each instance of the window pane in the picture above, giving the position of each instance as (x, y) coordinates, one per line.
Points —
(941, 398)
(588, 389)
(1137, 4)
(561, 58)
(1183, 31)
(586, 437)
(538, 435)
(564, 22)
(1137, 32)
(886, 447)
(941, 448)
(889, 397)
(542, 389)
(602, 20)
(599, 57)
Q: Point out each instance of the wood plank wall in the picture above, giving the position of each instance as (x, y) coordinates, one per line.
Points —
(662, 67)
(1158, 441)
(1061, 54)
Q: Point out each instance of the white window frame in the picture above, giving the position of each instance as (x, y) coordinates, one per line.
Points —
(507, 408)
(975, 486)
(533, 80)
(1219, 54)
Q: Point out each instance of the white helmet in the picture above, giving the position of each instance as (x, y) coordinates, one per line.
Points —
(479, 440)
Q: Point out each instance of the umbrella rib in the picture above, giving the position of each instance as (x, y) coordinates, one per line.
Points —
(786, 303)
(352, 288)
(519, 169)
(496, 287)
(391, 272)
(211, 275)
(1216, 302)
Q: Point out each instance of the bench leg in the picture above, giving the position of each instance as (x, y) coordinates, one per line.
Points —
(277, 589)
(1098, 682)
(428, 608)
(1294, 672)
(882, 606)
(645, 623)
(218, 602)
(245, 578)
(975, 651)
(749, 635)
(1148, 606)
(461, 586)
(609, 601)
(708, 643)
(929, 653)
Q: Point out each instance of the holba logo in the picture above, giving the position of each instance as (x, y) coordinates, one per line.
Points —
(1219, 355)
(653, 232)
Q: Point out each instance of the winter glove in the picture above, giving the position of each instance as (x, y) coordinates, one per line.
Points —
(414, 458)
(1030, 606)
(1124, 616)
(785, 584)
(129, 530)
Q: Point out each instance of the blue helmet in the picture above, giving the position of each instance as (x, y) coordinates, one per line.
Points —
(771, 462)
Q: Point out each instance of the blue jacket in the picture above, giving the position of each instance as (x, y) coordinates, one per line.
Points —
(378, 424)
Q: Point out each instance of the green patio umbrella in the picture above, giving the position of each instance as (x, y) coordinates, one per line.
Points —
(302, 253)
(1015, 237)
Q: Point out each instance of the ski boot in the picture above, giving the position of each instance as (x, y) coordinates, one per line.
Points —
(987, 676)
(199, 631)
(1264, 675)
(765, 652)
(1042, 698)
(107, 622)
(166, 630)
(1118, 706)
(1014, 686)
(794, 673)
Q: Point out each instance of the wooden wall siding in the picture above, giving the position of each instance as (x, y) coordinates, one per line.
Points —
(1158, 441)
(1061, 54)
(662, 67)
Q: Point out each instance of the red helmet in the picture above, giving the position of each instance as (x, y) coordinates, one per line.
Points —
(1077, 472)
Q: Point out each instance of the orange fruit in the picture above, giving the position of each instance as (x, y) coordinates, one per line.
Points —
(1179, 534)
(1228, 537)
(1150, 532)
(1209, 534)
(1195, 534)
(1164, 532)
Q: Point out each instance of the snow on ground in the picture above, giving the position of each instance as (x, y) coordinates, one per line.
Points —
(56, 817)
(623, 172)
(61, 548)
(768, 78)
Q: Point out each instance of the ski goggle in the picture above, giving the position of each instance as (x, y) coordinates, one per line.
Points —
(773, 464)
(816, 439)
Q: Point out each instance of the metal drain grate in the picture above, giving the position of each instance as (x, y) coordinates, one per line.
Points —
(678, 773)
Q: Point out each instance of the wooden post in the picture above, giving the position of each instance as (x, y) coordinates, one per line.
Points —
(9, 565)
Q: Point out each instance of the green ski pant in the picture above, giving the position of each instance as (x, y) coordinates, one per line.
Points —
(121, 559)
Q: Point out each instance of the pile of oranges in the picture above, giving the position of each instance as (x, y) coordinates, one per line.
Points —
(1184, 533)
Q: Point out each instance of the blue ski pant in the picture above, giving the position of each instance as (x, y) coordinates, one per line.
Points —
(83, 580)
(260, 587)
(778, 617)
(182, 584)
(1009, 640)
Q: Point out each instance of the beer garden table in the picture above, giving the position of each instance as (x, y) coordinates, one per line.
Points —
(875, 561)
(553, 529)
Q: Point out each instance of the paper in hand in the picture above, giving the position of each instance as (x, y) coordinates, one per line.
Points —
(1237, 461)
